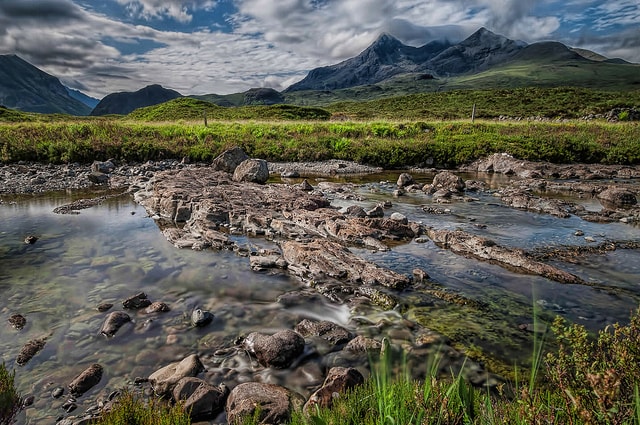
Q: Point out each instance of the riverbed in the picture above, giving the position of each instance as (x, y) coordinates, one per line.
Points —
(114, 250)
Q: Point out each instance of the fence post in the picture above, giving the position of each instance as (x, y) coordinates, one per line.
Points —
(473, 113)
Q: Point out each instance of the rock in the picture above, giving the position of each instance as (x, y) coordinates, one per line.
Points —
(401, 218)
(113, 322)
(228, 160)
(136, 302)
(30, 240)
(102, 307)
(157, 307)
(252, 171)
(617, 198)
(420, 275)
(201, 317)
(278, 350)
(29, 350)
(405, 179)
(445, 180)
(105, 167)
(98, 178)
(338, 381)
(18, 321)
(376, 212)
(329, 331)
(442, 194)
(272, 403)
(86, 380)
(306, 186)
(355, 211)
(57, 392)
(165, 379)
(203, 400)
(290, 174)
(362, 344)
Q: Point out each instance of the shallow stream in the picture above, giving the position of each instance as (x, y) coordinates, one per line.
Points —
(112, 251)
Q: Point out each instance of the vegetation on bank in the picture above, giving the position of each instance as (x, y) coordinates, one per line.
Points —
(381, 143)
(10, 400)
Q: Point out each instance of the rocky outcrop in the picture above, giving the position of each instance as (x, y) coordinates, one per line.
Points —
(272, 403)
(487, 250)
(278, 350)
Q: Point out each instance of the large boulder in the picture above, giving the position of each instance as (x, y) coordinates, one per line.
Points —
(272, 403)
(165, 379)
(252, 171)
(203, 400)
(338, 381)
(445, 180)
(228, 160)
(278, 350)
(615, 197)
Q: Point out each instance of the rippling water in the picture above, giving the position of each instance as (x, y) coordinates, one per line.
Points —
(112, 251)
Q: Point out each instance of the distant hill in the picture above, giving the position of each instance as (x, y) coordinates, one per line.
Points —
(255, 96)
(125, 102)
(27, 88)
(91, 102)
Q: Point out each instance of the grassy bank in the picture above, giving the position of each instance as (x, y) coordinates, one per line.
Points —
(382, 143)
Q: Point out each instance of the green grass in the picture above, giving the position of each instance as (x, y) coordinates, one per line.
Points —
(133, 410)
(10, 400)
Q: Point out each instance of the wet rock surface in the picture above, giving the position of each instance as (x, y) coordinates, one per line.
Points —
(113, 322)
(274, 403)
(29, 350)
(86, 380)
(278, 350)
(165, 379)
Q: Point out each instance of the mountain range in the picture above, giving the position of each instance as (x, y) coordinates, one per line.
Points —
(386, 68)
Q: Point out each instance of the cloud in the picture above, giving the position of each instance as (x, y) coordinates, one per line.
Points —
(179, 10)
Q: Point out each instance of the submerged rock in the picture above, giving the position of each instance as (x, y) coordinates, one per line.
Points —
(29, 350)
(18, 321)
(137, 301)
(86, 380)
(201, 317)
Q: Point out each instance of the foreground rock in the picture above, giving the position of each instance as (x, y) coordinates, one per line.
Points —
(278, 350)
(203, 400)
(338, 381)
(165, 379)
(229, 160)
(252, 171)
(113, 322)
(272, 403)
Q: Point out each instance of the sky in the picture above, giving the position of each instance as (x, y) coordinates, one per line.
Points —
(230, 46)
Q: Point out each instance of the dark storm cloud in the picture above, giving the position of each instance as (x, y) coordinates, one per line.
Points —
(45, 10)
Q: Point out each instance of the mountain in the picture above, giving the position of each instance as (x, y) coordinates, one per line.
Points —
(91, 102)
(124, 102)
(27, 88)
(255, 96)
(386, 57)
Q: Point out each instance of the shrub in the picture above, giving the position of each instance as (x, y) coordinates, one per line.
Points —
(10, 400)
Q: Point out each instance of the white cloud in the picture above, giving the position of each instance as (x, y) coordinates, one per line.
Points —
(179, 10)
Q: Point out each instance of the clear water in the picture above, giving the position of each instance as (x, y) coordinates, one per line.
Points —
(112, 251)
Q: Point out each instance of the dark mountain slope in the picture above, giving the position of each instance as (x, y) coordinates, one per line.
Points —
(124, 102)
(27, 88)
(386, 57)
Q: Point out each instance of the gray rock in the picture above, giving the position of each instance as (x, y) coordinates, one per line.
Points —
(405, 179)
(355, 211)
(165, 379)
(376, 212)
(105, 167)
(98, 178)
(401, 218)
(290, 174)
(157, 307)
(201, 317)
(113, 322)
(617, 198)
(86, 380)
(445, 180)
(329, 331)
(203, 400)
(338, 381)
(278, 350)
(252, 171)
(228, 160)
(29, 350)
(362, 344)
(306, 186)
(272, 403)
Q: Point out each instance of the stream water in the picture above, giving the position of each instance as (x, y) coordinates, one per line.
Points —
(112, 251)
